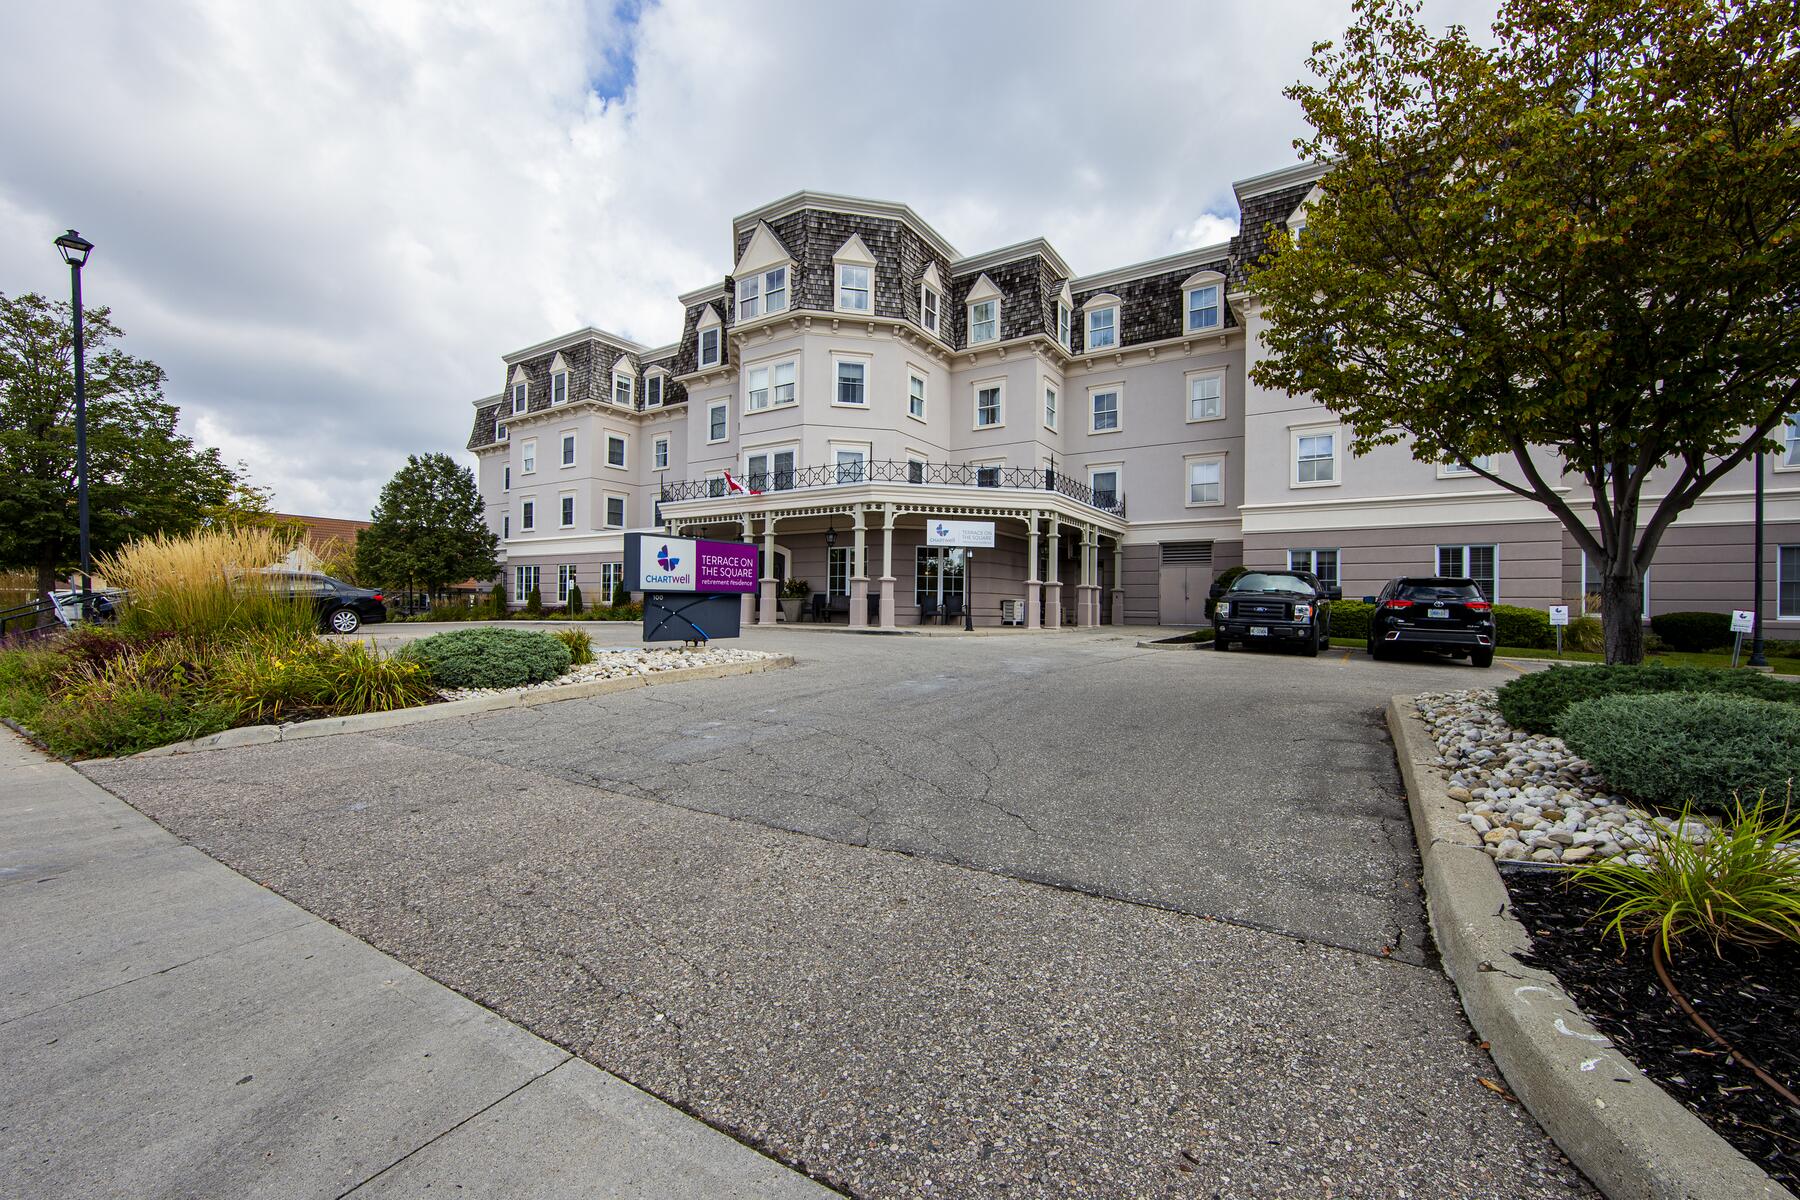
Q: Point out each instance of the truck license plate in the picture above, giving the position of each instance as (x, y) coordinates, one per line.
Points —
(1259, 631)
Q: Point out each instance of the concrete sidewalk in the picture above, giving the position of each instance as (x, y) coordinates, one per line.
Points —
(170, 1028)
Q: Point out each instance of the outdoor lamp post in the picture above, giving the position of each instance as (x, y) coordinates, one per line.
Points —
(75, 250)
(830, 534)
(1756, 626)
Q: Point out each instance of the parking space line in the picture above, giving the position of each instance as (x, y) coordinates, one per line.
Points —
(1507, 662)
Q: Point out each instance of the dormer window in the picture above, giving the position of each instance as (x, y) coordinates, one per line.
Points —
(653, 391)
(559, 388)
(931, 301)
(1203, 302)
(854, 286)
(711, 339)
(760, 295)
(1102, 316)
(1064, 321)
(500, 434)
(709, 347)
(984, 312)
(519, 393)
(622, 389)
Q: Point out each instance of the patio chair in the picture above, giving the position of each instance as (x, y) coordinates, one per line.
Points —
(840, 604)
(820, 606)
(928, 610)
(953, 610)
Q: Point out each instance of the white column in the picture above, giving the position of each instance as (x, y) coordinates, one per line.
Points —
(887, 566)
(1052, 585)
(747, 610)
(1118, 582)
(767, 610)
(1034, 587)
(859, 574)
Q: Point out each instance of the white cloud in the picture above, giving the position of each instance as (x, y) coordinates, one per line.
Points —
(328, 221)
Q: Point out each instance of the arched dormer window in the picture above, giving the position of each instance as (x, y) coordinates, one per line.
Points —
(1203, 302)
(984, 312)
(710, 336)
(1101, 322)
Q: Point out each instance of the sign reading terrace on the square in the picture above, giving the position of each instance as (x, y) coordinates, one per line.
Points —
(667, 564)
(977, 534)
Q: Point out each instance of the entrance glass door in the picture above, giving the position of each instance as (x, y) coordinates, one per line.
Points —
(939, 575)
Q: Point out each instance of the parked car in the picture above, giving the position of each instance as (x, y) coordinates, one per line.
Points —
(1442, 613)
(342, 607)
(1275, 606)
(104, 604)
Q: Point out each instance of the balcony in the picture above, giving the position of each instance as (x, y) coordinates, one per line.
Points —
(911, 472)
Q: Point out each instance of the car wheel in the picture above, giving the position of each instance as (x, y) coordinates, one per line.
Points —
(344, 620)
(1481, 658)
(1311, 646)
(1377, 648)
(1221, 643)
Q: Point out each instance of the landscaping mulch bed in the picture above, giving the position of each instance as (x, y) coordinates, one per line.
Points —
(1752, 997)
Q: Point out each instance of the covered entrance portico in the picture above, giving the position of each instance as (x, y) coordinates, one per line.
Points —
(866, 541)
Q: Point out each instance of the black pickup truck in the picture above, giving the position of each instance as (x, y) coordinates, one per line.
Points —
(1274, 606)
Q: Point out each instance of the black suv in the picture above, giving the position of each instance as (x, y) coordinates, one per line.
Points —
(1275, 606)
(1433, 612)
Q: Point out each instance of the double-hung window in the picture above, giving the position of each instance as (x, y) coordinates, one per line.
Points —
(660, 453)
(915, 397)
(782, 375)
(756, 384)
(567, 514)
(1203, 310)
(851, 464)
(1460, 468)
(1064, 320)
(528, 456)
(709, 347)
(615, 512)
(1480, 563)
(621, 389)
(769, 470)
(653, 392)
(715, 423)
(984, 321)
(559, 388)
(1105, 485)
(1787, 583)
(930, 306)
(1102, 328)
(1206, 481)
(505, 525)
(768, 386)
(1791, 442)
(519, 390)
(987, 406)
(852, 383)
(1106, 410)
(615, 450)
(500, 432)
(1049, 408)
(1315, 457)
(505, 479)
(1322, 563)
(1204, 402)
(568, 449)
(528, 515)
(854, 287)
(761, 294)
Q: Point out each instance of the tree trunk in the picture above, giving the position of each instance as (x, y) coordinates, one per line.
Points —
(1621, 614)
(46, 579)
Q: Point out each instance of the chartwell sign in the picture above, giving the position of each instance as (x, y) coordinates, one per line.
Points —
(973, 534)
(669, 564)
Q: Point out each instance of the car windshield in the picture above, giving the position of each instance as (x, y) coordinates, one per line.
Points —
(1268, 581)
(1439, 590)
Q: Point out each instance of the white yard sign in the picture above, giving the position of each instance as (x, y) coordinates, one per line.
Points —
(971, 534)
(1742, 621)
(1559, 614)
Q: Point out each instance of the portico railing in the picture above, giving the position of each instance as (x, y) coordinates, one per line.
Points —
(912, 471)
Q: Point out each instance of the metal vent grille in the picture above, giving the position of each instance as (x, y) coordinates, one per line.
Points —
(1187, 553)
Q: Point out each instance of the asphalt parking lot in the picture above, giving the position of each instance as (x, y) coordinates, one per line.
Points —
(1027, 915)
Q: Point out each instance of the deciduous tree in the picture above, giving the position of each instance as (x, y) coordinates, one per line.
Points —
(428, 528)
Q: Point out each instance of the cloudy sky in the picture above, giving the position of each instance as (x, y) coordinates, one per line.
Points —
(328, 220)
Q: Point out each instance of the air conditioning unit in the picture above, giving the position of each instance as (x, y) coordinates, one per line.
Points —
(1012, 612)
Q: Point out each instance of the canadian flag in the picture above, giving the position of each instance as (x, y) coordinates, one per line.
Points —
(735, 487)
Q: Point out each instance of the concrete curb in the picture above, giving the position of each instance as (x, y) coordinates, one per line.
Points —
(295, 731)
(1631, 1138)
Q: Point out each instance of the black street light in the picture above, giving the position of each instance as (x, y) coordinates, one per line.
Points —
(1756, 628)
(75, 250)
(830, 534)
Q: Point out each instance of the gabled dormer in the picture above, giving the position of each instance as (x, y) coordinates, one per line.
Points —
(931, 301)
(853, 276)
(519, 388)
(709, 334)
(983, 305)
(559, 380)
(764, 274)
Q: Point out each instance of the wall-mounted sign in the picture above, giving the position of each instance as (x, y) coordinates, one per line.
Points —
(666, 564)
(973, 534)
(1559, 614)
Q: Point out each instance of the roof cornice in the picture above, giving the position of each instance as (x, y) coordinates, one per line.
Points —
(496, 398)
(1012, 253)
(702, 294)
(886, 210)
(570, 339)
(1198, 257)
(1274, 181)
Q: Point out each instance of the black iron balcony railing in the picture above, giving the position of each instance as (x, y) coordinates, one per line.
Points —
(912, 471)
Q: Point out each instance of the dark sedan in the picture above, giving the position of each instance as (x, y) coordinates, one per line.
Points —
(1443, 613)
(342, 607)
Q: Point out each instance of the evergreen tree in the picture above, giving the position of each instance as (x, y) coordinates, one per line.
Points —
(429, 529)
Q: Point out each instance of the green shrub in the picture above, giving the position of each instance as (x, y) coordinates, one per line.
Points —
(96, 722)
(497, 598)
(1735, 886)
(581, 649)
(272, 681)
(489, 657)
(1586, 633)
(534, 603)
(1350, 619)
(575, 605)
(1692, 632)
(1526, 628)
(620, 597)
(1534, 702)
(1685, 748)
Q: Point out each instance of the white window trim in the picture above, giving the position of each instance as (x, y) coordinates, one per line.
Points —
(528, 457)
(866, 449)
(867, 362)
(1790, 434)
(659, 449)
(769, 365)
(528, 524)
(709, 320)
(1118, 472)
(1448, 470)
(1187, 480)
(1217, 373)
(711, 407)
(761, 279)
(506, 477)
(660, 378)
(771, 449)
(935, 327)
(573, 500)
(629, 378)
(606, 499)
(1194, 283)
(837, 293)
(999, 333)
(911, 455)
(568, 435)
(556, 376)
(606, 451)
(500, 432)
(924, 378)
(978, 386)
(1100, 389)
(1437, 558)
(1065, 325)
(1051, 417)
(1779, 615)
(1295, 433)
(1104, 302)
(1643, 584)
(519, 394)
(1313, 552)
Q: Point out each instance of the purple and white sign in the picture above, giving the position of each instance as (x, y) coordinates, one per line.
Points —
(667, 564)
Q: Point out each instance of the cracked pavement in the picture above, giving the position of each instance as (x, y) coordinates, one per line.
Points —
(1020, 916)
